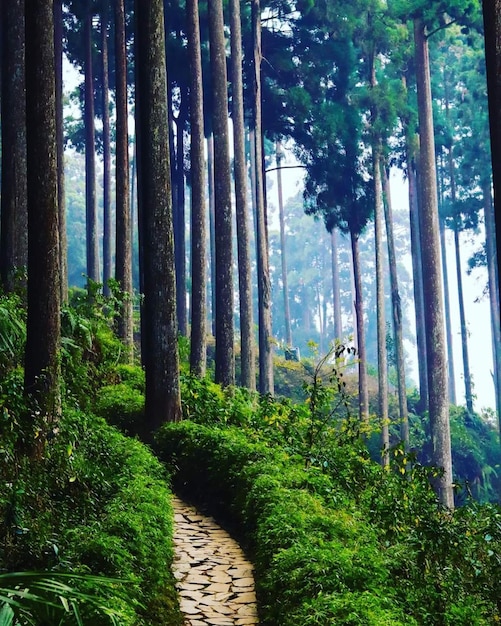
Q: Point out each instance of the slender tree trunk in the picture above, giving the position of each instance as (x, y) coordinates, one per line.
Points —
(490, 246)
(42, 369)
(492, 28)
(417, 273)
(198, 353)
(396, 307)
(212, 229)
(123, 261)
(225, 360)
(430, 246)
(382, 357)
(464, 331)
(14, 216)
(107, 228)
(247, 349)
(180, 234)
(61, 200)
(363, 389)
(285, 287)
(336, 300)
(447, 309)
(159, 330)
(90, 157)
(264, 284)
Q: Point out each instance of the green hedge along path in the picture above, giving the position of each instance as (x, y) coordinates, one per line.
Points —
(214, 579)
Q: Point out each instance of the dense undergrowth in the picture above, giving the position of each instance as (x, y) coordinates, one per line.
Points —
(335, 538)
(87, 525)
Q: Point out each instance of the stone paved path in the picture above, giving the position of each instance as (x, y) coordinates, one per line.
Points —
(214, 580)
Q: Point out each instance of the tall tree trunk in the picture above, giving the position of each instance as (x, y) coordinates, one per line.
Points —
(42, 369)
(396, 307)
(430, 246)
(90, 156)
(464, 331)
(225, 360)
(159, 330)
(447, 308)
(14, 216)
(490, 247)
(382, 357)
(180, 233)
(336, 300)
(247, 350)
(107, 228)
(123, 260)
(61, 200)
(212, 231)
(264, 285)
(363, 389)
(418, 286)
(198, 353)
(492, 28)
(283, 256)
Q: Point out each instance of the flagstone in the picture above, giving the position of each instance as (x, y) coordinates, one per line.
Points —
(213, 577)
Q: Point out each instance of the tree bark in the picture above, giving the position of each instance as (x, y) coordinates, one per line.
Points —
(212, 231)
(396, 307)
(363, 389)
(225, 360)
(266, 385)
(14, 216)
(198, 353)
(490, 247)
(159, 329)
(61, 199)
(492, 29)
(382, 357)
(42, 369)
(336, 301)
(107, 228)
(283, 256)
(90, 156)
(180, 233)
(123, 257)
(447, 311)
(247, 349)
(430, 247)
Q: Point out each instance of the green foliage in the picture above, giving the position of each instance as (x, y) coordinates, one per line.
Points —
(121, 406)
(12, 332)
(96, 502)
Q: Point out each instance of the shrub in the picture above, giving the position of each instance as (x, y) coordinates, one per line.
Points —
(303, 550)
(121, 406)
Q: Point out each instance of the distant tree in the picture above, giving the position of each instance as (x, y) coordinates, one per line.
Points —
(13, 242)
(159, 326)
(42, 370)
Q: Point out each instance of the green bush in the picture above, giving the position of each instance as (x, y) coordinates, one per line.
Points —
(121, 406)
(97, 503)
(303, 549)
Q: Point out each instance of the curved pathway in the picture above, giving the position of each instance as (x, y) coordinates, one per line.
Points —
(214, 579)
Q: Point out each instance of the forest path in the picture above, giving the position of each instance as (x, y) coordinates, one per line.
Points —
(213, 578)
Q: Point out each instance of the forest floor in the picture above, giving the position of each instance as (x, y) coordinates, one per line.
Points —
(214, 579)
